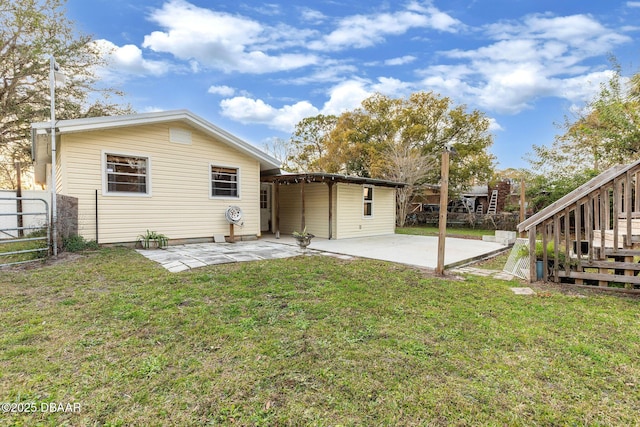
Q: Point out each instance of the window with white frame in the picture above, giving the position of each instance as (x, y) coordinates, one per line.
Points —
(264, 199)
(367, 198)
(127, 174)
(224, 181)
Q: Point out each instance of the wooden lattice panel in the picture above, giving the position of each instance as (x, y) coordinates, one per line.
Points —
(518, 265)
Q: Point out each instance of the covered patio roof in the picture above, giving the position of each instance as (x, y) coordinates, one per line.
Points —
(320, 177)
(289, 178)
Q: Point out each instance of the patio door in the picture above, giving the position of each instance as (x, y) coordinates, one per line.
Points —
(265, 207)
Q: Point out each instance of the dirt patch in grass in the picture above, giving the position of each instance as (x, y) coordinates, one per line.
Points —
(61, 258)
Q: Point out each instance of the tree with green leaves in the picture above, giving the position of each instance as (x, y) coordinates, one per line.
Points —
(310, 143)
(399, 139)
(31, 31)
(606, 133)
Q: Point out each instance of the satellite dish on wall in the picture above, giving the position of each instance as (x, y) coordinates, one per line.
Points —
(234, 215)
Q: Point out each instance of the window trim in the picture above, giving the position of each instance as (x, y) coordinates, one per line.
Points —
(105, 184)
(238, 182)
(365, 202)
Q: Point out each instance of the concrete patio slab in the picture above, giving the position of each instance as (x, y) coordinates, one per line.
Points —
(418, 251)
(421, 251)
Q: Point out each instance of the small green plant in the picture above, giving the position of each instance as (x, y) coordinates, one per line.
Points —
(550, 249)
(77, 243)
(302, 234)
(303, 238)
(153, 238)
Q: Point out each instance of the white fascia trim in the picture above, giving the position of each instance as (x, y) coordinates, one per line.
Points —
(109, 122)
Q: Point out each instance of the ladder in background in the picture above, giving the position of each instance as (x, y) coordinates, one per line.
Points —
(493, 203)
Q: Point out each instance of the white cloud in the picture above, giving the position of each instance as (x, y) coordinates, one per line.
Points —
(312, 16)
(402, 60)
(152, 109)
(540, 56)
(494, 126)
(633, 4)
(360, 31)
(346, 96)
(223, 41)
(221, 90)
(581, 88)
(438, 19)
(392, 87)
(128, 59)
(256, 111)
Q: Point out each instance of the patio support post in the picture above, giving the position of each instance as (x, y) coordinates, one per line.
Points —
(303, 224)
(277, 202)
(330, 184)
(442, 220)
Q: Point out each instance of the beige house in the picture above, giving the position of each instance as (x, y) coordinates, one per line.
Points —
(177, 174)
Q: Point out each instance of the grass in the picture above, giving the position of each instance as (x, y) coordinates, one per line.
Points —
(38, 248)
(309, 341)
(496, 263)
(469, 233)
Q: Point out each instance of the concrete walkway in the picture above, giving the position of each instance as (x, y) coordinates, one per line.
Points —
(418, 251)
(184, 257)
(485, 273)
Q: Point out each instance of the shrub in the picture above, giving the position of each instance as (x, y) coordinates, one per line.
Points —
(524, 252)
(76, 243)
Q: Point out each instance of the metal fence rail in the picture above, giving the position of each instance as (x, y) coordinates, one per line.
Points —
(19, 244)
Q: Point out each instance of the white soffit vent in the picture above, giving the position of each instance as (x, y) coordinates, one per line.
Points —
(180, 136)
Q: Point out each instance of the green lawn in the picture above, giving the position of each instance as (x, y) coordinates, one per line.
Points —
(38, 248)
(469, 233)
(309, 341)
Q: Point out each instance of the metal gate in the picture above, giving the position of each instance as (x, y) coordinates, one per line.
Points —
(24, 230)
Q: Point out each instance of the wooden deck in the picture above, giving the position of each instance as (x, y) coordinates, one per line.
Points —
(592, 235)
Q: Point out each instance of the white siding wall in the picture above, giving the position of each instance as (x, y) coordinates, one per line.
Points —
(179, 205)
(351, 221)
(316, 208)
(348, 219)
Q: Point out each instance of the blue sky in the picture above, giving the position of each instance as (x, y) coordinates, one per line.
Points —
(257, 68)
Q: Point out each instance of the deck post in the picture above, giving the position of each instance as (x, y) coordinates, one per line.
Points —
(523, 213)
(532, 253)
